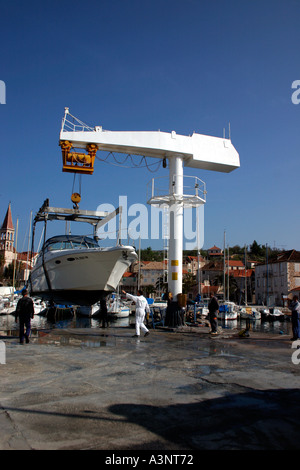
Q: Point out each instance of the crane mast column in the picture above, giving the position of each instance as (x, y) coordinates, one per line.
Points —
(176, 225)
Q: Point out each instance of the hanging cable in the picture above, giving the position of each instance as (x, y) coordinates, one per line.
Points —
(79, 183)
(74, 177)
(133, 164)
(76, 197)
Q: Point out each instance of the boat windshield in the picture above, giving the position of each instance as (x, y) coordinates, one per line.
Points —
(68, 242)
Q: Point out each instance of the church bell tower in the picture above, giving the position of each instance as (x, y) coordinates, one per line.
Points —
(7, 238)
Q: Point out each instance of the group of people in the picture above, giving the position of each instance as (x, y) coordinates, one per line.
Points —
(142, 306)
(25, 312)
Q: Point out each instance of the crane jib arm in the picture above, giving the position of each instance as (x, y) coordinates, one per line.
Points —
(198, 151)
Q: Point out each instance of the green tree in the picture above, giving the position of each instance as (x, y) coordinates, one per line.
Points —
(233, 287)
(150, 255)
(148, 290)
(256, 250)
(188, 281)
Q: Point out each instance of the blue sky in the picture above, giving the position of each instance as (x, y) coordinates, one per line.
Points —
(183, 65)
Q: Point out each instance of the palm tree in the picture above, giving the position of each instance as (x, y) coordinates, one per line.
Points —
(233, 287)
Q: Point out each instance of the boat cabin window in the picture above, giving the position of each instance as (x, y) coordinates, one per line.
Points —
(55, 245)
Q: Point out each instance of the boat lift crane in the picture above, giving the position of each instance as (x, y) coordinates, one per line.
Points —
(195, 151)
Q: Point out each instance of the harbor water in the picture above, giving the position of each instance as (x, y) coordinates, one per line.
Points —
(73, 321)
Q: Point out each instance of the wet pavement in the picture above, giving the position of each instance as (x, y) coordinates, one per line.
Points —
(180, 390)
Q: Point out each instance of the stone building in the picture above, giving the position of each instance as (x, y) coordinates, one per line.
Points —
(275, 281)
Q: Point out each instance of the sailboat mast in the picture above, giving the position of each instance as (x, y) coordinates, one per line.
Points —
(228, 273)
(15, 260)
(28, 246)
(246, 300)
(224, 284)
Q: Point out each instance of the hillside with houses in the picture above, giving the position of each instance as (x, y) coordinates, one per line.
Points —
(258, 275)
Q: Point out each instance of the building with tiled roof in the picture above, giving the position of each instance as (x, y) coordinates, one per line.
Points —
(275, 281)
(214, 251)
(190, 264)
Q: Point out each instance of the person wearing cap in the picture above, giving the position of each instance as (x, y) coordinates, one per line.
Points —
(25, 312)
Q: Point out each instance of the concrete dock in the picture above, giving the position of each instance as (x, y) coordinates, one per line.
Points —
(180, 390)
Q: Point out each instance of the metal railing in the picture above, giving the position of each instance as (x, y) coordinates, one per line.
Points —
(194, 191)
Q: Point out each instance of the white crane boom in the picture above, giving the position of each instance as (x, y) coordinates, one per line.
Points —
(195, 151)
(198, 151)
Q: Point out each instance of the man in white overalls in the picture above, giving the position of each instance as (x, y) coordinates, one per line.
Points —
(141, 305)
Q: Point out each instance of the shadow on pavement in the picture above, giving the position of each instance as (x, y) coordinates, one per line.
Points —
(258, 420)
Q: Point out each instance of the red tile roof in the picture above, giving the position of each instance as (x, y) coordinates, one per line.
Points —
(241, 272)
(234, 262)
(127, 274)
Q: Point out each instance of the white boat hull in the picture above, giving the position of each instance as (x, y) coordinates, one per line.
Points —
(8, 306)
(272, 313)
(79, 276)
(227, 315)
(89, 310)
(249, 313)
(228, 311)
(117, 310)
(8, 310)
(123, 312)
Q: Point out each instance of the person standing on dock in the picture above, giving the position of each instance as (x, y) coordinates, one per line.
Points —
(25, 312)
(213, 308)
(295, 308)
(103, 312)
(141, 306)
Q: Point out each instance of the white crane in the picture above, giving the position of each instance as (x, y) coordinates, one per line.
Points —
(196, 151)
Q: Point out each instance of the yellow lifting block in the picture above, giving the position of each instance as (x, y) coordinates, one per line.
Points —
(75, 162)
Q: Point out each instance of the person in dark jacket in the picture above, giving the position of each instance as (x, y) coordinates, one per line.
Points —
(103, 312)
(213, 308)
(295, 308)
(25, 312)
